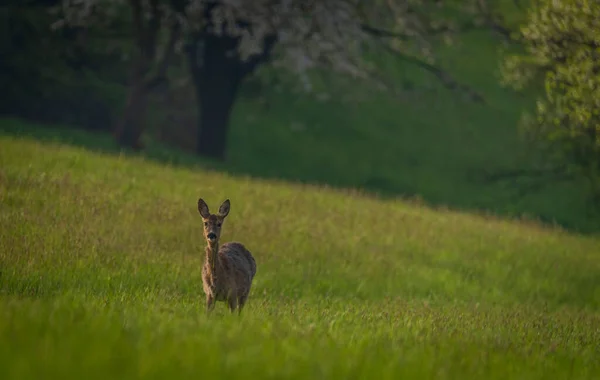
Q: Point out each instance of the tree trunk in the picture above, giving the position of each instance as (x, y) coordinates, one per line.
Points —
(218, 72)
(147, 22)
(216, 78)
(215, 109)
(129, 128)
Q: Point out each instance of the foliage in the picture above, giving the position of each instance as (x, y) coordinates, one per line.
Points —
(311, 34)
(562, 47)
(101, 260)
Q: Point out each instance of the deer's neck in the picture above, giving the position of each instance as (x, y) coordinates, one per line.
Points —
(212, 257)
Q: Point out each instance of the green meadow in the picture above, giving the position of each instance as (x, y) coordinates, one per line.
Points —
(101, 255)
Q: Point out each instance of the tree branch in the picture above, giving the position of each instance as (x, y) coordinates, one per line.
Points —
(489, 23)
(376, 32)
(443, 76)
(383, 33)
(522, 181)
(512, 174)
(138, 25)
(167, 57)
(153, 26)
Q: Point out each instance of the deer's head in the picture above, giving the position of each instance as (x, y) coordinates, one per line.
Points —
(213, 222)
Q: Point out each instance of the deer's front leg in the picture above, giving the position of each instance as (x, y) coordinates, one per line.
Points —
(210, 303)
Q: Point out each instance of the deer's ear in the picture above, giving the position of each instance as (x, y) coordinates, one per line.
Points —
(224, 209)
(203, 208)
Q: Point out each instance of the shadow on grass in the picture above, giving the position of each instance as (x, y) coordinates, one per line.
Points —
(376, 186)
(104, 143)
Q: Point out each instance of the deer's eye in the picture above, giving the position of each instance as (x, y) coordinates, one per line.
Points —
(205, 224)
(218, 224)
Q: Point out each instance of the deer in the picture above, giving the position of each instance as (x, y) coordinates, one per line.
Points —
(228, 269)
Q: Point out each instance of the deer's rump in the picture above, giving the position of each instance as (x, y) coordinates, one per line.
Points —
(239, 258)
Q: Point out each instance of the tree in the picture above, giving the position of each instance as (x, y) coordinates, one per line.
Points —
(228, 39)
(309, 35)
(148, 68)
(561, 41)
(150, 45)
(217, 74)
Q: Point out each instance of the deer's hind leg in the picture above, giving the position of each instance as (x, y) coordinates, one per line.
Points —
(233, 302)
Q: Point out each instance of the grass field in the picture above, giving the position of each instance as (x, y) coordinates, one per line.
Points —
(100, 260)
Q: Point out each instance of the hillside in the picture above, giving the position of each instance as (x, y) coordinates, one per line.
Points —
(100, 276)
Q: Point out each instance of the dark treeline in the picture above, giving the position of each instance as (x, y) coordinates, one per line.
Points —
(50, 77)
(71, 76)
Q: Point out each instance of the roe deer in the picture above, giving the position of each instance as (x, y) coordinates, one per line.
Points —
(228, 270)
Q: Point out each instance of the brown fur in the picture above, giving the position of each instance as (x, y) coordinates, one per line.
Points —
(229, 269)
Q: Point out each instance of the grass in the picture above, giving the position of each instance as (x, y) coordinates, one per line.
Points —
(100, 259)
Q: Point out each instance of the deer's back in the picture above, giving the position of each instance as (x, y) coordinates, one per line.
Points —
(239, 258)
